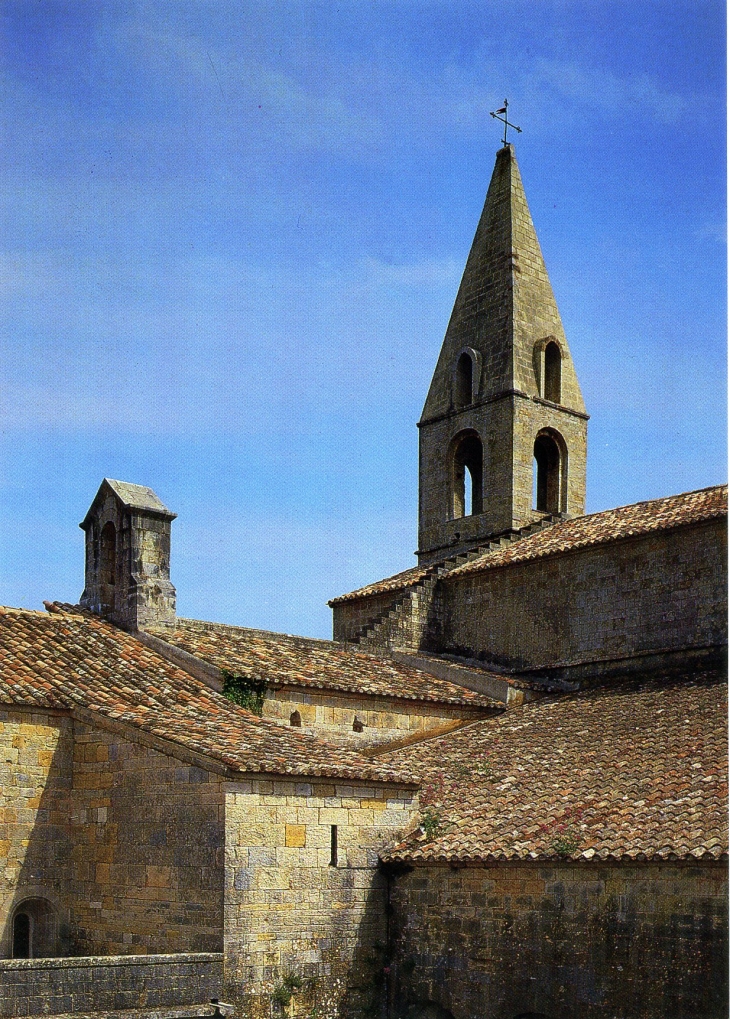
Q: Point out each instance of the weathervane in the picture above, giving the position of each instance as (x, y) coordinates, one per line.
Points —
(504, 121)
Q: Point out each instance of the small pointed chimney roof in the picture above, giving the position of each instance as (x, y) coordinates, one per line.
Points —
(132, 497)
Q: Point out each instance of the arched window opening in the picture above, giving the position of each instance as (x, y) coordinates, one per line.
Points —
(295, 719)
(548, 480)
(357, 725)
(35, 932)
(553, 364)
(464, 380)
(108, 554)
(107, 565)
(21, 936)
(467, 476)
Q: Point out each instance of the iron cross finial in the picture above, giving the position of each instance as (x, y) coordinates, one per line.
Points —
(504, 121)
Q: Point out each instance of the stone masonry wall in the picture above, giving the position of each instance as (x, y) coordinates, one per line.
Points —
(54, 986)
(350, 617)
(147, 863)
(645, 940)
(123, 843)
(438, 530)
(531, 417)
(331, 716)
(291, 910)
(665, 590)
(35, 795)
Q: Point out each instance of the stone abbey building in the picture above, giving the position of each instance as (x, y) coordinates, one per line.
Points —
(499, 792)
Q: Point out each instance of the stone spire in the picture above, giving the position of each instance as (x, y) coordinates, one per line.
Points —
(505, 301)
(504, 380)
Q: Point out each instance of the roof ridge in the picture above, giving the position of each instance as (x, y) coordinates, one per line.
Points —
(205, 624)
(392, 584)
(646, 502)
(66, 660)
(12, 610)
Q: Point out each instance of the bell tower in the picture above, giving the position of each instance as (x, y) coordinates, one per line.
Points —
(503, 432)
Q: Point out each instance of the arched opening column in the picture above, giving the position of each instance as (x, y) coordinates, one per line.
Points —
(467, 463)
(550, 472)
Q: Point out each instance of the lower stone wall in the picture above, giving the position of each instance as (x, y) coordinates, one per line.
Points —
(646, 940)
(54, 986)
(35, 806)
(296, 918)
(146, 871)
(332, 716)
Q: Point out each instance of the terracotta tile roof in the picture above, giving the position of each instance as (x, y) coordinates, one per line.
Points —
(608, 525)
(637, 772)
(398, 582)
(579, 532)
(280, 658)
(68, 661)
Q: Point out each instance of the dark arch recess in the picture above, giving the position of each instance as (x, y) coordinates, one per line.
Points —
(551, 473)
(464, 380)
(468, 455)
(35, 930)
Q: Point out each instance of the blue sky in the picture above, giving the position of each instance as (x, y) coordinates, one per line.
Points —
(232, 234)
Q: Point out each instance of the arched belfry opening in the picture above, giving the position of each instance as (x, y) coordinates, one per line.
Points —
(550, 470)
(553, 365)
(467, 475)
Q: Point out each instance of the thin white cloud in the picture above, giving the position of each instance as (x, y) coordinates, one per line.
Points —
(618, 96)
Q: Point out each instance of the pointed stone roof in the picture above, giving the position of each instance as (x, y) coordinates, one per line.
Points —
(133, 497)
(505, 303)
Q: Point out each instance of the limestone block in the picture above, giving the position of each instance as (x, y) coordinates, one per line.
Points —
(296, 835)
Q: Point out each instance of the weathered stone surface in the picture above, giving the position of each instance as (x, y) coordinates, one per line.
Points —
(658, 591)
(301, 900)
(128, 557)
(595, 941)
(78, 986)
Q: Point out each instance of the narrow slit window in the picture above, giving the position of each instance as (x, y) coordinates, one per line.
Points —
(333, 845)
(464, 380)
(553, 364)
(107, 566)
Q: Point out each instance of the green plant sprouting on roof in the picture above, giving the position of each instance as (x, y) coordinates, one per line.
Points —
(248, 693)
